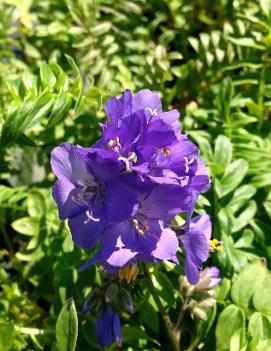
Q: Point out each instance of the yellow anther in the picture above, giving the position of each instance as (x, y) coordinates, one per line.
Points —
(166, 151)
(215, 245)
(128, 273)
(135, 222)
(140, 231)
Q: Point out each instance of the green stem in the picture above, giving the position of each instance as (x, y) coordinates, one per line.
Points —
(165, 316)
(178, 326)
(194, 344)
(6, 238)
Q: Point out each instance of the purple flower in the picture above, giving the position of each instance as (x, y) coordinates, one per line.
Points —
(145, 235)
(195, 242)
(209, 278)
(148, 141)
(88, 188)
(108, 328)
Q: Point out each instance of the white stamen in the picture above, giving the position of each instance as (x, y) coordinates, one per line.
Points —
(126, 161)
(187, 163)
(91, 218)
(152, 112)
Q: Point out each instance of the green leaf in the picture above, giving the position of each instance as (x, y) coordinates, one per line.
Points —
(25, 117)
(149, 316)
(226, 220)
(67, 327)
(101, 28)
(231, 319)
(94, 97)
(36, 204)
(27, 225)
(241, 196)
(262, 296)
(246, 41)
(77, 88)
(60, 109)
(133, 334)
(224, 99)
(259, 326)
(233, 176)
(246, 283)
(7, 335)
(164, 286)
(266, 7)
(223, 152)
(48, 79)
(243, 219)
(262, 180)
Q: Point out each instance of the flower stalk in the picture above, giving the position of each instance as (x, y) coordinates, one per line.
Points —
(165, 316)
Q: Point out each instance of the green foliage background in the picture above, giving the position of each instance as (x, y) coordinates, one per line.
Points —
(59, 61)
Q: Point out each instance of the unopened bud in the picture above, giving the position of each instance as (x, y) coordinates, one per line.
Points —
(184, 282)
(111, 292)
(207, 303)
(128, 273)
(199, 313)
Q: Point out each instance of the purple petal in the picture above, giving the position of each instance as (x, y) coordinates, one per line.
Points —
(117, 108)
(165, 239)
(147, 99)
(118, 245)
(120, 202)
(172, 118)
(191, 271)
(64, 194)
(196, 249)
(165, 201)
(158, 134)
(86, 232)
(201, 224)
(71, 163)
(117, 328)
(104, 164)
(104, 328)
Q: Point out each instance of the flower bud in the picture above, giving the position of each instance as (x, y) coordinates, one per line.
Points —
(111, 292)
(199, 313)
(207, 303)
(127, 300)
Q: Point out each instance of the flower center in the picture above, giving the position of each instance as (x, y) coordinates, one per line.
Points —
(140, 226)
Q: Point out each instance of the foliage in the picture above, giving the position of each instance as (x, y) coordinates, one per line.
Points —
(59, 61)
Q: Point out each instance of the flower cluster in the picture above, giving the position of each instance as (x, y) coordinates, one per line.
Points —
(125, 190)
(123, 193)
(200, 297)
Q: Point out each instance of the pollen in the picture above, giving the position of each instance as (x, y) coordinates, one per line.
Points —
(215, 245)
(129, 273)
(140, 231)
(135, 222)
(166, 151)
